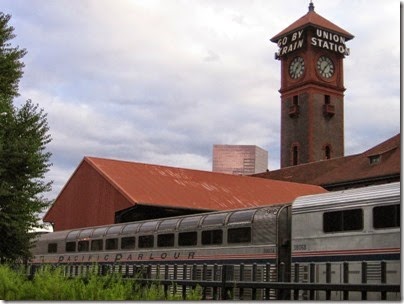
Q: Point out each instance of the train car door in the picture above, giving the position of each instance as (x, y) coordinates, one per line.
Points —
(283, 223)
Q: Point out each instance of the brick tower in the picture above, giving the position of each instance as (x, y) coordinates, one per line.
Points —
(311, 51)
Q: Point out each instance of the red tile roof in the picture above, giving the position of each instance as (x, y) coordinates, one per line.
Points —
(313, 19)
(156, 185)
(346, 169)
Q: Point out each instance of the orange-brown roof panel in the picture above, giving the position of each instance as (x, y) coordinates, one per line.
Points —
(312, 19)
(194, 189)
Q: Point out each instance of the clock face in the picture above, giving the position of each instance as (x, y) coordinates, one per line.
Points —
(296, 67)
(325, 67)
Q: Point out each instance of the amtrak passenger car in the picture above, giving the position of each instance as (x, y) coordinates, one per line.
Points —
(339, 230)
(351, 227)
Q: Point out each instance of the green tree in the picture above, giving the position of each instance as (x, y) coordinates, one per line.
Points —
(10, 59)
(23, 156)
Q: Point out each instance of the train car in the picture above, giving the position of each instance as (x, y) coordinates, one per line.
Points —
(247, 236)
(261, 243)
(351, 232)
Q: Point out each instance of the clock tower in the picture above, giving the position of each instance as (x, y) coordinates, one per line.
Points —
(311, 52)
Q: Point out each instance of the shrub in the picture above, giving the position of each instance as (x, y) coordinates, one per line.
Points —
(10, 282)
(51, 284)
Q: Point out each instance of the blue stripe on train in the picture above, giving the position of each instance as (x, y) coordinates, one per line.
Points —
(346, 258)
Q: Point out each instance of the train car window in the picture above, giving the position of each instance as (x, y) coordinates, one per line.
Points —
(239, 235)
(96, 245)
(99, 232)
(130, 229)
(386, 216)
(242, 216)
(165, 240)
(190, 222)
(83, 246)
(212, 237)
(214, 219)
(73, 235)
(345, 220)
(187, 238)
(114, 230)
(111, 244)
(128, 242)
(146, 241)
(52, 247)
(86, 233)
(148, 227)
(70, 246)
(168, 224)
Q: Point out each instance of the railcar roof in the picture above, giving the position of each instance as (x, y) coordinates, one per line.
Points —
(203, 220)
(382, 194)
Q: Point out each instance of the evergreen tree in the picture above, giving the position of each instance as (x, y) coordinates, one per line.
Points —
(10, 59)
(23, 156)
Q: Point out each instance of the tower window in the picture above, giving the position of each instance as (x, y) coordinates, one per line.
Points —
(327, 152)
(295, 155)
(296, 100)
(329, 109)
(294, 108)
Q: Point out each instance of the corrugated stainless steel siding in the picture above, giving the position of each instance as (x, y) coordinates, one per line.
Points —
(381, 194)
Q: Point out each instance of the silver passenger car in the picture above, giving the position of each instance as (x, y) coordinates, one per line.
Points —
(356, 229)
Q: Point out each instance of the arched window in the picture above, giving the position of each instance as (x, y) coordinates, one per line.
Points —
(296, 100)
(327, 152)
(295, 155)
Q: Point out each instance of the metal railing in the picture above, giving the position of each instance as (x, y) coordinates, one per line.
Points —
(223, 289)
(222, 282)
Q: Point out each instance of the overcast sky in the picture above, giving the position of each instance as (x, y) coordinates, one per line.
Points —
(161, 82)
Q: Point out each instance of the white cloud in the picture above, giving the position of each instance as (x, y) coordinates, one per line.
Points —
(162, 81)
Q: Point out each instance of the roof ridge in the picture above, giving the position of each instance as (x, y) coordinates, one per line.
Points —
(145, 164)
(390, 144)
(91, 158)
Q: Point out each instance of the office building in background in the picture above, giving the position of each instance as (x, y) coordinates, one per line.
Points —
(239, 159)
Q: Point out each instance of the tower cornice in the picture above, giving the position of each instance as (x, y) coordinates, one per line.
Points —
(312, 85)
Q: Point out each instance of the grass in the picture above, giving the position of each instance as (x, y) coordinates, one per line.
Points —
(50, 284)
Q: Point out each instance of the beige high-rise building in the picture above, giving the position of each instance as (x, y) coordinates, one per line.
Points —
(239, 159)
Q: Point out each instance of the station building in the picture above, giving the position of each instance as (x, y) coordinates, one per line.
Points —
(380, 164)
(106, 191)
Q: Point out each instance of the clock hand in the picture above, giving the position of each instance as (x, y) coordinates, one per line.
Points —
(294, 67)
(323, 69)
